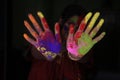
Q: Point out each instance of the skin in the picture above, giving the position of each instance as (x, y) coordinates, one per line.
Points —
(79, 43)
(45, 41)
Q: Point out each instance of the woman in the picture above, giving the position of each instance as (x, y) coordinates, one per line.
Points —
(67, 56)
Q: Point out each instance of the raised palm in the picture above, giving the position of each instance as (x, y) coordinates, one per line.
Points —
(45, 41)
(82, 41)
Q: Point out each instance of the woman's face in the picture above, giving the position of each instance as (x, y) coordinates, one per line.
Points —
(75, 20)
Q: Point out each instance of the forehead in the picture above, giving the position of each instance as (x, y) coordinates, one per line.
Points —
(73, 19)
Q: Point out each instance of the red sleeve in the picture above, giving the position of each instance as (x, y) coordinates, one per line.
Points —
(88, 61)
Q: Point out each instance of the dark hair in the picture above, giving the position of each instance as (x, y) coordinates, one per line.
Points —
(72, 10)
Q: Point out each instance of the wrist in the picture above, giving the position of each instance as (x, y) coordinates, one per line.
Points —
(74, 58)
(47, 54)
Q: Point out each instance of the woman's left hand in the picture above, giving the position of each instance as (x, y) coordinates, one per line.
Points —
(82, 41)
(48, 44)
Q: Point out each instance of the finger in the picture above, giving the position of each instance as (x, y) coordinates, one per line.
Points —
(34, 22)
(70, 36)
(29, 39)
(99, 37)
(92, 22)
(96, 29)
(27, 25)
(43, 20)
(71, 32)
(57, 32)
(82, 25)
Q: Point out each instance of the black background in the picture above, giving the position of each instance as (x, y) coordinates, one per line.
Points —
(13, 45)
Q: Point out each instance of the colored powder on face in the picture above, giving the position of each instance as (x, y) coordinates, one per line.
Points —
(74, 19)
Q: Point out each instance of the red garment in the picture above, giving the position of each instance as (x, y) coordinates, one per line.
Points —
(63, 69)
